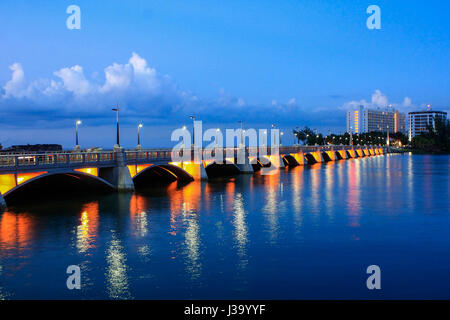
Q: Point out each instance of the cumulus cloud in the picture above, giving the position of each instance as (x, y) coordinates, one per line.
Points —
(16, 87)
(407, 102)
(118, 77)
(70, 93)
(73, 80)
(146, 95)
(292, 101)
(379, 100)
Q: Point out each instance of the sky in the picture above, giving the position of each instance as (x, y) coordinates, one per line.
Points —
(289, 63)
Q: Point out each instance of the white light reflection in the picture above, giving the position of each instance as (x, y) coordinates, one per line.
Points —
(273, 207)
(116, 273)
(240, 229)
(141, 224)
(3, 293)
(297, 196)
(192, 243)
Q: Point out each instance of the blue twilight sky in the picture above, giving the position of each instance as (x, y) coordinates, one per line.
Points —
(292, 63)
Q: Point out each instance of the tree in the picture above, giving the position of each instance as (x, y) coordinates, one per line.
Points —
(435, 139)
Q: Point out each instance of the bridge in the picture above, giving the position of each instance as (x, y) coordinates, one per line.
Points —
(123, 170)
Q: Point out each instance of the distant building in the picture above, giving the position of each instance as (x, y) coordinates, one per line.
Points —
(363, 120)
(419, 120)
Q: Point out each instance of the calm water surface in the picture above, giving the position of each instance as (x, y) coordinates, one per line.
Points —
(309, 232)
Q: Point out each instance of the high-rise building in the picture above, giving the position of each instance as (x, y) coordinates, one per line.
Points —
(419, 120)
(363, 120)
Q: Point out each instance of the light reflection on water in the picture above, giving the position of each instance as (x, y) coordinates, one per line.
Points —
(305, 233)
(116, 273)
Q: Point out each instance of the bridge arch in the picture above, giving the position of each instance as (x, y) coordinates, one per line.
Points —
(310, 159)
(289, 160)
(65, 181)
(326, 157)
(161, 173)
(260, 162)
(227, 168)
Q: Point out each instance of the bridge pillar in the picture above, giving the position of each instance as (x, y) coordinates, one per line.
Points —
(121, 177)
(277, 161)
(2, 202)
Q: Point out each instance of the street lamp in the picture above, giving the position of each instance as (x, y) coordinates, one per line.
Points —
(139, 135)
(387, 142)
(77, 123)
(193, 129)
(117, 130)
(351, 136)
(281, 137)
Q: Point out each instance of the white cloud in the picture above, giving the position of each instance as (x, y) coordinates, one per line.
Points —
(73, 80)
(134, 85)
(140, 65)
(16, 87)
(118, 76)
(379, 99)
(407, 102)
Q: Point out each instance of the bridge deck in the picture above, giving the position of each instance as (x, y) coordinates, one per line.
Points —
(60, 160)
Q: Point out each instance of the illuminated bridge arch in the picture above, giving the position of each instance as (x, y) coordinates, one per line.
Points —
(227, 168)
(289, 160)
(49, 183)
(260, 162)
(339, 155)
(313, 157)
(157, 173)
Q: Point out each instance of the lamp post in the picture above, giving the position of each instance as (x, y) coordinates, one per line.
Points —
(387, 141)
(193, 129)
(351, 136)
(139, 136)
(281, 136)
(77, 146)
(117, 130)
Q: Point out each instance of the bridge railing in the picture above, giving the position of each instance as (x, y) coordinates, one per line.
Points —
(75, 158)
(54, 159)
(148, 154)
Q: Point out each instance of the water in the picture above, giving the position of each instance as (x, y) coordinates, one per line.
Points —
(309, 232)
